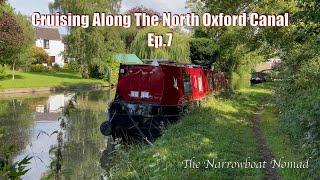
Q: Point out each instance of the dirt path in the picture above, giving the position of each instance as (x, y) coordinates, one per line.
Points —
(264, 151)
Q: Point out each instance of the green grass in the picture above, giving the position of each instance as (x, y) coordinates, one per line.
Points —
(221, 129)
(280, 145)
(52, 79)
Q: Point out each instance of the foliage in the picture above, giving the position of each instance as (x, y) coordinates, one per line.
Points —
(143, 9)
(15, 170)
(298, 94)
(11, 32)
(279, 143)
(39, 68)
(179, 50)
(129, 34)
(296, 45)
(2, 71)
(87, 46)
(203, 51)
(233, 43)
(16, 37)
(41, 56)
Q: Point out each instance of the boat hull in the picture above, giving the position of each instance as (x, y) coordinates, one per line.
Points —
(131, 121)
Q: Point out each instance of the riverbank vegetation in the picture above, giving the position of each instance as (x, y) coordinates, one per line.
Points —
(220, 130)
(297, 45)
(281, 146)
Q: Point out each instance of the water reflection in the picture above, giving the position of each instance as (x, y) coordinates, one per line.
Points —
(60, 131)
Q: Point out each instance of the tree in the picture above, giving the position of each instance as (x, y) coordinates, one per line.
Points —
(203, 51)
(233, 43)
(16, 36)
(89, 47)
(179, 50)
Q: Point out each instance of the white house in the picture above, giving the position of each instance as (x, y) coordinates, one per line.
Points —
(51, 40)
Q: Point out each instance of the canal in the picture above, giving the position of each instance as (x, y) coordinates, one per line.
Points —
(59, 131)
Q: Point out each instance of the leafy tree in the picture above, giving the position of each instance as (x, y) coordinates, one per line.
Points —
(129, 34)
(178, 51)
(16, 37)
(203, 51)
(89, 47)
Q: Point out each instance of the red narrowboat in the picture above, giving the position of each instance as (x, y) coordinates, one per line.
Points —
(148, 97)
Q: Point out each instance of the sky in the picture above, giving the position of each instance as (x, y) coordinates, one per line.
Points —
(27, 7)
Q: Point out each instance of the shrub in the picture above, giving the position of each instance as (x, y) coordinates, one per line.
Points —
(39, 68)
(41, 56)
(56, 67)
(299, 104)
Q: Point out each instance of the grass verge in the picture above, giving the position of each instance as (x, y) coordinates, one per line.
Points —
(220, 130)
(280, 145)
(52, 79)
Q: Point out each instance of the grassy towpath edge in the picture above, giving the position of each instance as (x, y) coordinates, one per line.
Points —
(220, 130)
(39, 80)
(280, 145)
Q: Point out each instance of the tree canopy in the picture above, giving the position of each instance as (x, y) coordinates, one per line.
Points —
(179, 50)
(94, 46)
(16, 37)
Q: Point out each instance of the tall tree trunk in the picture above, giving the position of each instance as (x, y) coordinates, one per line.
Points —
(13, 69)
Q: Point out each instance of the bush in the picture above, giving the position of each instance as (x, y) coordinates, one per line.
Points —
(39, 68)
(41, 56)
(299, 104)
(56, 67)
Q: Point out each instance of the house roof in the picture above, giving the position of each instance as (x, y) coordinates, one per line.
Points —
(263, 66)
(128, 58)
(47, 33)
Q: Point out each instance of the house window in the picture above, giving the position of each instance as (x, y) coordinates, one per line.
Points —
(186, 84)
(46, 44)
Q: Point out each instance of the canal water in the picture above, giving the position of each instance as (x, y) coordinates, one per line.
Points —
(59, 131)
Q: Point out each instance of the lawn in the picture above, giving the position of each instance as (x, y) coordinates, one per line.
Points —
(52, 79)
(220, 130)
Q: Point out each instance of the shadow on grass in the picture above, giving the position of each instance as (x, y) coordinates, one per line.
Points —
(9, 76)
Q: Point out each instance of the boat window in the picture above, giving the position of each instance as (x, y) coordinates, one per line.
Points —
(187, 84)
(200, 83)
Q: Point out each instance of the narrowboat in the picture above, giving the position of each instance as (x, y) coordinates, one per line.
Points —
(151, 96)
